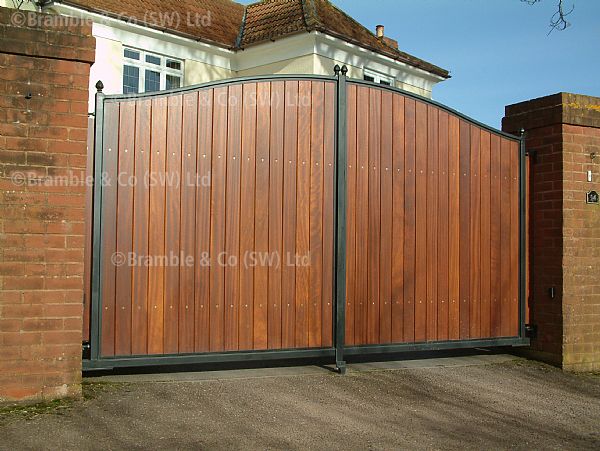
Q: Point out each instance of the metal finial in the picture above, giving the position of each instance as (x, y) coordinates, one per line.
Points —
(336, 69)
(99, 85)
(522, 132)
(344, 70)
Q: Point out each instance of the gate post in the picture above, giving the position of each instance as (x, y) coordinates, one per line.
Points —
(97, 222)
(340, 219)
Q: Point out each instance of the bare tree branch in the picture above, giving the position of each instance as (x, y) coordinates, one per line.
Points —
(558, 20)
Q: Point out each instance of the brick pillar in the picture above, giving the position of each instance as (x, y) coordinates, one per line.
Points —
(44, 71)
(563, 130)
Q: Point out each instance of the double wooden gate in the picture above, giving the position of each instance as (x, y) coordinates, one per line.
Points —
(233, 219)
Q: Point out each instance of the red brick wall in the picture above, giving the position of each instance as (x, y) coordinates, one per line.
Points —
(563, 130)
(42, 216)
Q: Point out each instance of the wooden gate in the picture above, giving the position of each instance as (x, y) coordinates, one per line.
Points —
(232, 216)
(433, 235)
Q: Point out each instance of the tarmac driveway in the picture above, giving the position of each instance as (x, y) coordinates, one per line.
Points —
(456, 403)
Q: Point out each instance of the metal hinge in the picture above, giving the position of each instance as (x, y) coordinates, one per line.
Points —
(531, 330)
(86, 350)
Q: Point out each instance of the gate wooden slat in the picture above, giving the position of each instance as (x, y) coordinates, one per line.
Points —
(443, 234)
(303, 212)
(465, 245)
(397, 248)
(189, 183)
(203, 222)
(171, 252)
(495, 240)
(362, 224)
(454, 177)
(156, 228)
(505, 216)
(328, 214)
(261, 272)
(141, 214)
(409, 220)
(217, 218)
(275, 215)
(232, 220)
(316, 215)
(432, 222)
(248, 172)
(124, 222)
(386, 213)
(421, 223)
(288, 276)
(475, 234)
(514, 239)
(351, 293)
(485, 172)
(109, 232)
(374, 215)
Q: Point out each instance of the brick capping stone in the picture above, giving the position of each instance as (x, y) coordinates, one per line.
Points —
(564, 131)
(44, 73)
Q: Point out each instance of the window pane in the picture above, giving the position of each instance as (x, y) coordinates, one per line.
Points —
(173, 81)
(153, 59)
(131, 54)
(172, 64)
(131, 80)
(152, 81)
(383, 82)
(369, 78)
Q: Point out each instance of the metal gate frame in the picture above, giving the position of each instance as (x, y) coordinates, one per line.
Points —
(95, 361)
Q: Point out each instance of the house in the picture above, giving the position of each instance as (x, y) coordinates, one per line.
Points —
(152, 45)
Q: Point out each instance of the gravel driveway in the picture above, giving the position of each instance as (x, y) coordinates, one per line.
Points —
(513, 404)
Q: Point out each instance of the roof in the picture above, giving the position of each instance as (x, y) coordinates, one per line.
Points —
(235, 26)
(211, 21)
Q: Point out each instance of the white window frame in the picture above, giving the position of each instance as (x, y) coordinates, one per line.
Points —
(162, 68)
(379, 77)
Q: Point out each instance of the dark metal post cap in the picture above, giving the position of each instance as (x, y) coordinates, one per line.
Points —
(99, 85)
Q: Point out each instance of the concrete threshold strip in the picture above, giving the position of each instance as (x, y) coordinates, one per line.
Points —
(308, 370)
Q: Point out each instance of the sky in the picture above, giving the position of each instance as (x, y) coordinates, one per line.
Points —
(497, 51)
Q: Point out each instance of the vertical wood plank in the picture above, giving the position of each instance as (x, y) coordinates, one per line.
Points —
(261, 217)
(172, 184)
(409, 220)
(232, 219)
(373, 268)
(432, 221)
(475, 235)
(123, 298)
(465, 224)
(421, 223)
(275, 213)
(443, 234)
(141, 216)
(514, 239)
(156, 229)
(202, 301)
(109, 231)
(397, 295)
(454, 177)
(386, 212)
(351, 268)
(316, 216)
(303, 211)
(495, 239)
(505, 229)
(190, 181)
(329, 133)
(248, 173)
(217, 222)
(288, 276)
(485, 233)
